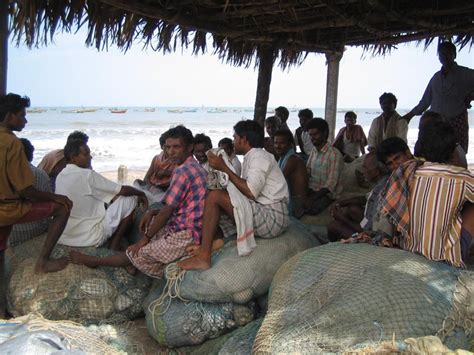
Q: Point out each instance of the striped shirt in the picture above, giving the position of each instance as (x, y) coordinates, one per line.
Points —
(437, 195)
(186, 193)
(324, 169)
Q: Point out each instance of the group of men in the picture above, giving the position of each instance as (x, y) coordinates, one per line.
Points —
(424, 205)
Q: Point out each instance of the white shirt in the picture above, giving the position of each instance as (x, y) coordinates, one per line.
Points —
(236, 164)
(264, 178)
(88, 191)
(306, 142)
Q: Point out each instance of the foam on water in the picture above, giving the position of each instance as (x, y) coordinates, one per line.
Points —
(132, 138)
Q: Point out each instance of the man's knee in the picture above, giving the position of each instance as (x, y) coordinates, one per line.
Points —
(59, 210)
(218, 197)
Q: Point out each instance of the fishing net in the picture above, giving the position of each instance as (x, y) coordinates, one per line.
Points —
(241, 340)
(331, 298)
(239, 279)
(78, 293)
(174, 322)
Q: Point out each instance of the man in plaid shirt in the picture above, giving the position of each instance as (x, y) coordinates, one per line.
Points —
(169, 231)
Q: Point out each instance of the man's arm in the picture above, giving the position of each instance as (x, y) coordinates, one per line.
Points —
(424, 103)
(131, 191)
(218, 163)
(33, 194)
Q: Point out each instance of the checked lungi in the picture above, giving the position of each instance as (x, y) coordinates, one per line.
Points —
(269, 221)
(460, 125)
(165, 247)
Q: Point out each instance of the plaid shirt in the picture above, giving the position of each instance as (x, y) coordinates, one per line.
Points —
(186, 194)
(324, 169)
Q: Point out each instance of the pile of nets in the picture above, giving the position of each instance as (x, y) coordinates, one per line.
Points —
(78, 293)
(348, 296)
(199, 305)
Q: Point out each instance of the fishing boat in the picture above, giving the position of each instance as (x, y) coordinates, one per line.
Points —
(37, 110)
(175, 110)
(116, 110)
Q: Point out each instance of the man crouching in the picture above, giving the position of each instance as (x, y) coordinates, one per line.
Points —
(261, 192)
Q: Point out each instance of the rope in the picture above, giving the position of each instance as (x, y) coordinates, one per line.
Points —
(174, 277)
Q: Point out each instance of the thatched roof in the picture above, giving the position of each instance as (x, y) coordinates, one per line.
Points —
(237, 30)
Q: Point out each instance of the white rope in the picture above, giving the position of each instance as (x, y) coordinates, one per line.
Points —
(174, 277)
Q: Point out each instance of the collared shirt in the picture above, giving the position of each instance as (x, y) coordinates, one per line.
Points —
(446, 93)
(264, 178)
(324, 169)
(379, 132)
(15, 175)
(88, 192)
(437, 194)
(186, 194)
(26, 231)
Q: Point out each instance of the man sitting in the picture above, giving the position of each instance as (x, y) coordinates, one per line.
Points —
(294, 170)
(262, 186)
(393, 152)
(90, 224)
(228, 146)
(272, 124)
(169, 231)
(20, 202)
(356, 214)
(202, 144)
(25, 231)
(324, 166)
(282, 113)
(430, 204)
(302, 138)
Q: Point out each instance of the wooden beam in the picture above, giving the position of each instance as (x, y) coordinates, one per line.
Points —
(265, 69)
(3, 46)
(332, 82)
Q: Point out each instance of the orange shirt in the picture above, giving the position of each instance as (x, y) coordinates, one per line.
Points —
(15, 175)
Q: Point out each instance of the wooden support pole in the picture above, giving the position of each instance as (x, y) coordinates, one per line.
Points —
(333, 59)
(3, 46)
(263, 85)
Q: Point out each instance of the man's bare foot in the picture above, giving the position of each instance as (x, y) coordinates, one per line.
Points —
(200, 261)
(217, 244)
(83, 259)
(50, 265)
(193, 250)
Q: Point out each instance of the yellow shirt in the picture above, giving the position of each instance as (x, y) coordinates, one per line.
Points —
(15, 175)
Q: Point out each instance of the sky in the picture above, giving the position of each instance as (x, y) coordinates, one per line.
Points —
(67, 73)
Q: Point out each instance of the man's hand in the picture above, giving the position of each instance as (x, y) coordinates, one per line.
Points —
(216, 162)
(144, 200)
(134, 248)
(144, 223)
(64, 201)
(468, 99)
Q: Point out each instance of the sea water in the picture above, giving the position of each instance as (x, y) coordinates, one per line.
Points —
(131, 138)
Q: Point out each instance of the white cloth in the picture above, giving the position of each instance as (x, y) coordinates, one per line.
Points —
(236, 164)
(242, 209)
(88, 191)
(264, 178)
(351, 148)
(121, 208)
(378, 132)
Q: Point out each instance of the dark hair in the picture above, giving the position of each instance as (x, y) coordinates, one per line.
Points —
(437, 142)
(390, 96)
(12, 103)
(282, 112)
(181, 132)
(351, 114)
(448, 45)
(287, 134)
(162, 139)
(319, 124)
(390, 146)
(429, 117)
(78, 135)
(202, 138)
(226, 141)
(29, 149)
(306, 112)
(73, 148)
(252, 131)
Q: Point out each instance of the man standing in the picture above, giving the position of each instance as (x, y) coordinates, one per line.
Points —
(166, 233)
(302, 138)
(90, 224)
(262, 185)
(282, 113)
(388, 124)
(449, 93)
(20, 202)
(324, 166)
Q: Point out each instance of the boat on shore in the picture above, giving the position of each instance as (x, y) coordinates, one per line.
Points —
(36, 110)
(116, 110)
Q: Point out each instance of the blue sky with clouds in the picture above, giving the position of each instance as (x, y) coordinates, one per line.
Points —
(67, 73)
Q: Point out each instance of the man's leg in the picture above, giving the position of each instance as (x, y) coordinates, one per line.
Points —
(118, 219)
(56, 228)
(119, 260)
(216, 201)
(121, 231)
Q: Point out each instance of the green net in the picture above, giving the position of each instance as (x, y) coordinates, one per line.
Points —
(78, 293)
(337, 296)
